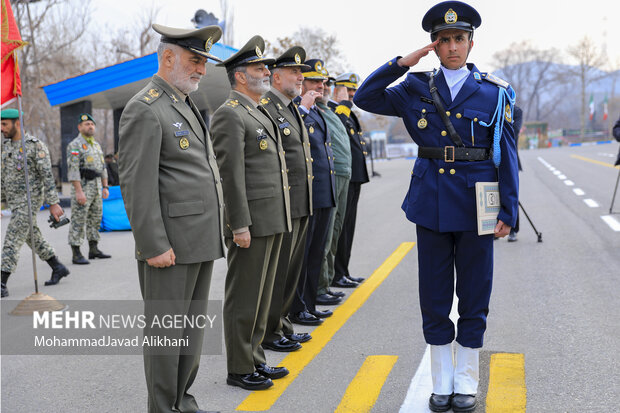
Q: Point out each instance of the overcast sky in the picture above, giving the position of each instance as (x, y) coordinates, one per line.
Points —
(370, 33)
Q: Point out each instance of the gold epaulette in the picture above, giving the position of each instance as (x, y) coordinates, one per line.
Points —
(151, 96)
(233, 103)
(343, 109)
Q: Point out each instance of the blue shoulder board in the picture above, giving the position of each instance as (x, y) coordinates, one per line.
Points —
(496, 80)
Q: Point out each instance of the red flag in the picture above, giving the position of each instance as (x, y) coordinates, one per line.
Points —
(11, 42)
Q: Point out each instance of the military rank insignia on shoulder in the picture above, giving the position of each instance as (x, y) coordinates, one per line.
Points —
(151, 96)
(233, 103)
(496, 80)
(264, 101)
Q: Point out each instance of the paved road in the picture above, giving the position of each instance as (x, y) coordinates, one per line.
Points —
(555, 302)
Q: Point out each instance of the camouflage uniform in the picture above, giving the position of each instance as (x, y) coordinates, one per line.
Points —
(81, 154)
(42, 190)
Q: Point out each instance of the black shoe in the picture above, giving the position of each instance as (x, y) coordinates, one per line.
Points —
(58, 271)
(272, 372)
(282, 344)
(78, 258)
(94, 252)
(252, 381)
(326, 299)
(344, 283)
(355, 279)
(338, 294)
(305, 318)
(321, 314)
(5, 278)
(439, 402)
(512, 237)
(464, 402)
(299, 337)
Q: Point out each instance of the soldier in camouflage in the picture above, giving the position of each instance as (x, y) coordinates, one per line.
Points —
(42, 190)
(89, 178)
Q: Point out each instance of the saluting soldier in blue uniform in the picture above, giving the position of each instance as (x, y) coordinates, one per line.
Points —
(465, 136)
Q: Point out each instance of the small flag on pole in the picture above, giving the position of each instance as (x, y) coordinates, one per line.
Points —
(591, 106)
(605, 113)
(11, 42)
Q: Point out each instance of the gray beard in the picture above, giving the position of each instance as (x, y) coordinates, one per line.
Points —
(258, 85)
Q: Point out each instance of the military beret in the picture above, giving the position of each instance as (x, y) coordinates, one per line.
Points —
(350, 80)
(293, 57)
(314, 70)
(86, 116)
(10, 114)
(198, 41)
(251, 52)
(451, 15)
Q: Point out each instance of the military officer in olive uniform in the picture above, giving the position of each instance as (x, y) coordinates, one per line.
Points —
(461, 119)
(89, 178)
(359, 176)
(256, 193)
(42, 191)
(286, 81)
(172, 192)
(303, 310)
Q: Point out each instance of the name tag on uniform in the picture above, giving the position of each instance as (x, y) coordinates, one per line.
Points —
(284, 125)
(181, 133)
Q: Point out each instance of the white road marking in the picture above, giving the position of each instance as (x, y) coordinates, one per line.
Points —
(591, 203)
(569, 182)
(556, 172)
(561, 176)
(421, 385)
(612, 222)
(578, 191)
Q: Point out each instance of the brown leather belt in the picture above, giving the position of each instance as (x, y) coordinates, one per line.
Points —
(451, 153)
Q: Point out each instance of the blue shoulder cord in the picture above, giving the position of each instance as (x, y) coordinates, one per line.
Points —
(504, 94)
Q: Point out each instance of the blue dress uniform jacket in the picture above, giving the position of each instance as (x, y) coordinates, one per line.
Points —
(359, 172)
(324, 183)
(441, 194)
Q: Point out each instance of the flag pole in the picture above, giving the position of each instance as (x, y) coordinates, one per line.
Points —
(23, 149)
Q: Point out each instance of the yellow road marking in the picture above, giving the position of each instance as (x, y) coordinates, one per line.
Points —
(297, 361)
(583, 158)
(365, 387)
(507, 391)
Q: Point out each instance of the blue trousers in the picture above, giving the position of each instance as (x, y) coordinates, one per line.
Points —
(439, 254)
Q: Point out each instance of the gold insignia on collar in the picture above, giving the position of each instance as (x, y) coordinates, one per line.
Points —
(508, 113)
(422, 123)
(286, 131)
(208, 44)
(174, 98)
(450, 17)
(259, 53)
(248, 108)
(184, 143)
(264, 101)
(263, 144)
(297, 58)
(279, 106)
(153, 93)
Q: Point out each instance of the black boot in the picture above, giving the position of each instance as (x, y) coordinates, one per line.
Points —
(5, 278)
(78, 258)
(94, 252)
(58, 271)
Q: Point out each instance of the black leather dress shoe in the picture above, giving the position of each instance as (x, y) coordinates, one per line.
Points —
(338, 294)
(439, 402)
(321, 314)
(326, 299)
(344, 283)
(281, 344)
(299, 337)
(252, 381)
(271, 372)
(464, 402)
(305, 318)
(355, 279)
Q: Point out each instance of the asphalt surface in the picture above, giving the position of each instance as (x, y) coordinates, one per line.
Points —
(556, 302)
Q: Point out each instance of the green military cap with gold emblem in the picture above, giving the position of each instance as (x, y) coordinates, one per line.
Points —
(10, 114)
(350, 80)
(198, 41)
(293, 57)
(315, 70)
(84, 117)
(251, 52)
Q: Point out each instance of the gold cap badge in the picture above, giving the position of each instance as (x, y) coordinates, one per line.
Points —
(84, 117)
(450, 17)
(208, 44)
(259, 53)
(318, 67)
(297, 58)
